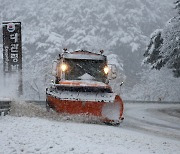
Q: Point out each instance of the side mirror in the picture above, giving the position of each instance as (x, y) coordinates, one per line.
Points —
(113, 71)
(113, 76)
(54, 65)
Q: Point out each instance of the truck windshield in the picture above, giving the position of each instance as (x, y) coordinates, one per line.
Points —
(82, 69)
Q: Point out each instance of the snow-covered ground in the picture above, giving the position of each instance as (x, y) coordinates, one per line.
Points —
(27, 133)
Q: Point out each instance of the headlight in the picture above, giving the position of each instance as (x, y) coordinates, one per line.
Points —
(106, 69)
(63, 67)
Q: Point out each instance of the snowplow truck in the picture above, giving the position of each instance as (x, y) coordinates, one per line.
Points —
(81, 86)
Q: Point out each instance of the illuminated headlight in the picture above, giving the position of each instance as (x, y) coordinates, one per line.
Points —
(63, 67)
(106, 69)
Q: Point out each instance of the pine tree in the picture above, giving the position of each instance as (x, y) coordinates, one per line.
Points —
(152, 52)
(164, 47)
(177, 6)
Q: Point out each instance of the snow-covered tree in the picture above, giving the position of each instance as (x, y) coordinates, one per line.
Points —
(119, 27)
(155, 86)
(164, 47)
(152, 52)
(177, 3)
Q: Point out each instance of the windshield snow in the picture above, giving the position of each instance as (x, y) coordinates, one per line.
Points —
(78, 69)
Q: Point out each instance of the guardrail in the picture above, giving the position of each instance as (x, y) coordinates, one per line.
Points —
(151, 102)
(4, 107)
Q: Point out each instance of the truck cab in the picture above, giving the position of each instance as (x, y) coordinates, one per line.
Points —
(81, 65)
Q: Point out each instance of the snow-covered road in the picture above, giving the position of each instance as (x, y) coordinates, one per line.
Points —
(158, 119)
(147, 128)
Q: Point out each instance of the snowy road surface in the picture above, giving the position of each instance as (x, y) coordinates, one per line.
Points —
(158, 119)
(147, 128)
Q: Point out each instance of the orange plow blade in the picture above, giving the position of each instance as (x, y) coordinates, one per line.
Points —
(110, 112)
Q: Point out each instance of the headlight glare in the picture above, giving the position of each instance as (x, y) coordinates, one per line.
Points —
(63, 67)
(106, 69)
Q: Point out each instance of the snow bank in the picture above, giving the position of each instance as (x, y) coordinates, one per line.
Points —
(34, 135)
